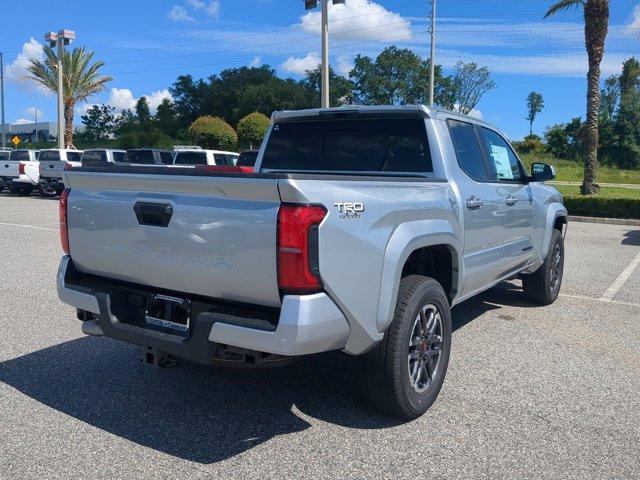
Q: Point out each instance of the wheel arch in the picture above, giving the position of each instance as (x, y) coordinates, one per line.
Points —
(556, 219)
(411, 245)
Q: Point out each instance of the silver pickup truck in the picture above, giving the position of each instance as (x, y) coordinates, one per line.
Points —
(358, 231)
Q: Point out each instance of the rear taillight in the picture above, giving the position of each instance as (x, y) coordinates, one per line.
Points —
(298, 261)
(21, 168)
(64, 227)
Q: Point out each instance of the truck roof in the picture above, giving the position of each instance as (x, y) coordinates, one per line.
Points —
(423, 110)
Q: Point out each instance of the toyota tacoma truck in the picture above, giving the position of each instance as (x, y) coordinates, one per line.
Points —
(358, 231)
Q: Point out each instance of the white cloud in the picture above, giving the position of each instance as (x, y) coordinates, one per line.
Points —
(123, 99)
(256, 62)
(31, 50)
(197, 4)
(633, 28)
(156, 98)
(179, 14)
(33, 112)
(359, 20)
(344, 66)
(211, 8)
(21, 121)
(301, 65)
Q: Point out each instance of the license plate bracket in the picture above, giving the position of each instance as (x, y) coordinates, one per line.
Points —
(168, 314)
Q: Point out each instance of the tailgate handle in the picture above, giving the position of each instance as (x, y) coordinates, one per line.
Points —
(153, 214)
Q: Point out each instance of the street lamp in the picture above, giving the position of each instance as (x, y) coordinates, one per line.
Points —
(310, 5)
(60, 40)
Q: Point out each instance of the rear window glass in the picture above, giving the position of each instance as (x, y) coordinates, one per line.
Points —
(350, 145)
(94, 157)
(144, 157)
(4, 155)
(191, 158)
(49, 156)
(19, 155)
(247, 159)
(221, 159)
(166, 158)
(74, 156)
(119, 156)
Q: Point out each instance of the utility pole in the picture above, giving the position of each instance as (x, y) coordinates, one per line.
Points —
(325, 88)
(432, 61)
(35, 113)
(60, 40)
(4, 128)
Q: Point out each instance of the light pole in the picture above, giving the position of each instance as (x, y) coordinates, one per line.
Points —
(432, 61)
(309, 5)
(4, 129)
(60, 40)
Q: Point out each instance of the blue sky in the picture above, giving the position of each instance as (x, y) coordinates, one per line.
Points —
(148, 43)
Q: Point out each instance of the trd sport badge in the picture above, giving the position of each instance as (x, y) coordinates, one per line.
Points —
(350, 209)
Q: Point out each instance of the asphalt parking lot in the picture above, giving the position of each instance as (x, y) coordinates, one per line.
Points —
(531, 392)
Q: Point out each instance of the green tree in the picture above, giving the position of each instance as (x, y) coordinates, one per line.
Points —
(166, 118)
(596, 26)
(396, 76)
(627, 122)
(213, 132)
(535, 104)
(610, 96)
(143, 112)
(81, 80)
(340, 88)
(468, 85)
(252, 129)
(99, 122)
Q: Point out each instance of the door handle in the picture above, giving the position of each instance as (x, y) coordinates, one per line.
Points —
(511, 200)
(474, 203)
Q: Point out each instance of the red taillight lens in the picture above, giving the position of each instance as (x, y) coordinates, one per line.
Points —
(64, 227)
(21, 168)
(298, 247)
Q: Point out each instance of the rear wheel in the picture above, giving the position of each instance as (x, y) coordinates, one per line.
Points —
(47, 190)
(543, 286)
(403, 374)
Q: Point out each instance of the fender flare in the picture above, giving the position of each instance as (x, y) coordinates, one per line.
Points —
(407, 238)
(555, 211)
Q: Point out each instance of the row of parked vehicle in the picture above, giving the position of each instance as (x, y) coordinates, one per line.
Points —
(24, 171)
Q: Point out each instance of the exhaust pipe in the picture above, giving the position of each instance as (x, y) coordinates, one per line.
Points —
(92, 327)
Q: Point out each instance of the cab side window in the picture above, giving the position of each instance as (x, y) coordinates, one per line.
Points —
(468, 152)
(505, 164)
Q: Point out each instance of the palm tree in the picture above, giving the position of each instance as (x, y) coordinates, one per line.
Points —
(596, 27)
(81, 79)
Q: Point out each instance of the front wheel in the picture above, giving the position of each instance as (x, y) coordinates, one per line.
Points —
(403, 374)
(543, 285)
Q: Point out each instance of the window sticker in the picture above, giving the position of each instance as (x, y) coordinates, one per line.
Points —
(501, 159)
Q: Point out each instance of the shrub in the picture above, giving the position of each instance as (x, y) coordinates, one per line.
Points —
(213, 132)
(530, 144)
(252, 129)
(593, 206)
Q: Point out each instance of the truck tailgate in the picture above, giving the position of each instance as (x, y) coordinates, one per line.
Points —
(9, 168)
(199, 234)
(52, 168)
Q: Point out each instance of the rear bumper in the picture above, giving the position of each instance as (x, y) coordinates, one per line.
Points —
(307, 324)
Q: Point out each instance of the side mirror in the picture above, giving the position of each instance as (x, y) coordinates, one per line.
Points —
(541, 172)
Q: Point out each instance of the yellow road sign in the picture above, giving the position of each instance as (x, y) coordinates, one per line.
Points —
(16, 140)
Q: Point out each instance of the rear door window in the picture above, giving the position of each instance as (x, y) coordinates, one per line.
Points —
(4, 155)
(380, 144)
(94, 157)
(143, 157)
(221, 159)
(166, 158)
(119, 157)
(505, 164)
(468, 152)
(190, 158)
(74, 156)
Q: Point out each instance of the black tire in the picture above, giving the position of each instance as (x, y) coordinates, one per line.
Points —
(543, 286)
(386, 376)
(47, 190)
(22, 190)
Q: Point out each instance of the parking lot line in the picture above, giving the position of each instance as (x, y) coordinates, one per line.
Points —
(584, 297)
(29, 226)
(621, 280)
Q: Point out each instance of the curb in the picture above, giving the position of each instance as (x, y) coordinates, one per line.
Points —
(607, 221)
